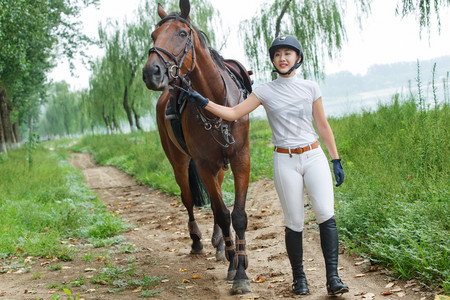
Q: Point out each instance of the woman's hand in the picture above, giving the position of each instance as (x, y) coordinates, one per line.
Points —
(338, 171)
(198, 99)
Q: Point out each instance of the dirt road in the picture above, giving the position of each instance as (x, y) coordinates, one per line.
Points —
(159, 245)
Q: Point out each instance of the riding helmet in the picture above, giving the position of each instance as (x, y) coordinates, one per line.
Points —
(286, 41)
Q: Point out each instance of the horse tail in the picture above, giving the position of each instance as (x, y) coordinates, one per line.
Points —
(199, 192)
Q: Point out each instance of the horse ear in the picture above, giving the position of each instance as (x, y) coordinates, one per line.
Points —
(161, 12)
(185, 8)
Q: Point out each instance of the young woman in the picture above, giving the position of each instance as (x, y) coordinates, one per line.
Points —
(291, 104)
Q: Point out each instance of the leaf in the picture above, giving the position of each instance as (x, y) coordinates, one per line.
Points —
(186, 281)
(258, 279)
(362, 262)
(441, 297)
(195, 276)
(67, 291)
(386, 293)
(373, 269)
(359, 275)
(389, 285)
(183, 270)
(90, 270)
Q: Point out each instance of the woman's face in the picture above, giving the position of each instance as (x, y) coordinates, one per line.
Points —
(284, 59)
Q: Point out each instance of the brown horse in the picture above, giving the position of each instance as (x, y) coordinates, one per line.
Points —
(178, 61)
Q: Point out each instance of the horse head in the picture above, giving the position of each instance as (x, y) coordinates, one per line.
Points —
(173, 53)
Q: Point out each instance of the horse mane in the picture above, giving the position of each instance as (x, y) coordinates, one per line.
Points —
(203, 37)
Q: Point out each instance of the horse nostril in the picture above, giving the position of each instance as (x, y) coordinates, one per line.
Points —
(156, 70)
(143, 75)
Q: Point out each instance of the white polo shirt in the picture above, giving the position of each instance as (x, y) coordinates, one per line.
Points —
(288, 104)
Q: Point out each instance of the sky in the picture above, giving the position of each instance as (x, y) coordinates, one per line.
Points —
(384, 38)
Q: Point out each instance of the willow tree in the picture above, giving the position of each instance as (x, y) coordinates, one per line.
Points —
(31, 32)
(318, 24)
(423, 10)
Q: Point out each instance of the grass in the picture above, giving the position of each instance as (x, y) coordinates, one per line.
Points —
(45, 203)
(394, 205)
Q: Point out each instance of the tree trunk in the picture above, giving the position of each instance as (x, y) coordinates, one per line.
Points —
(7, 128)
(126, 106)
(136, 117)
(2, 138)
(16, 130)
(114, 119)
(280, 17)
(105, 119)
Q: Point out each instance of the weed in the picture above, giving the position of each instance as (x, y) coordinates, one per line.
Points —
(79, 281)
(36, 276)
(150, 293)
(54, 286)
(55, 267)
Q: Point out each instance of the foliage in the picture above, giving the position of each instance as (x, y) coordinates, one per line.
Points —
(423, 10)
(43, 205)
(317, 24)
(394, 205)
(31, 34)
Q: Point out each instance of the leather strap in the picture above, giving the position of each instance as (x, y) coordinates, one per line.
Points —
(297, 150)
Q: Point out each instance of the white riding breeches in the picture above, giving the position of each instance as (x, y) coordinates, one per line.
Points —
(291, 175)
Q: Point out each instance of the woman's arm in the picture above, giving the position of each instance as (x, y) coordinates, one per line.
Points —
(324, 129)
(235, 112)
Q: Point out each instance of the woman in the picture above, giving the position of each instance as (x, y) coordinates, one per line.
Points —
(298, 160)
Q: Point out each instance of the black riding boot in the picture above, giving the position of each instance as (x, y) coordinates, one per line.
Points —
(330, 248)
(294, 247)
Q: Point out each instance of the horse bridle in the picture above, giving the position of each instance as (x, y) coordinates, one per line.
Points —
(173, 69)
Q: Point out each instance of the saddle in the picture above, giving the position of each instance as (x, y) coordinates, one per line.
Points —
(242, 75)
(178, 98)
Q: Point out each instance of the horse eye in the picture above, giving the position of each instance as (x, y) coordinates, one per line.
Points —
(183, 33)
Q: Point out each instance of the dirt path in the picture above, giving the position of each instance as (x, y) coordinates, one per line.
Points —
(161, 246)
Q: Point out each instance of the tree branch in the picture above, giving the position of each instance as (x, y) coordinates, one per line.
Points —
(280, 17)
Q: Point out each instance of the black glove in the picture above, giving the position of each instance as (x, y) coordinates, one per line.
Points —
(195, 97)
(338, 171)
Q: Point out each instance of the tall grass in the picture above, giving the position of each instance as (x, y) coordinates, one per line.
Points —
(45, 203)
(395, 204)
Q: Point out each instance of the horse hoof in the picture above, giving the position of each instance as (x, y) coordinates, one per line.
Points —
(196, 252)
(231, 275)
(220, 255)
(241, 286)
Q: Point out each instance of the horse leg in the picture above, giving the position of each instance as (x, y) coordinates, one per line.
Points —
(240, 164)
(222, 217)
(217, 237)
(180, 164)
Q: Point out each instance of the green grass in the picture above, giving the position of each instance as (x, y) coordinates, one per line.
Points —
(45, 203)
(394, 204)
